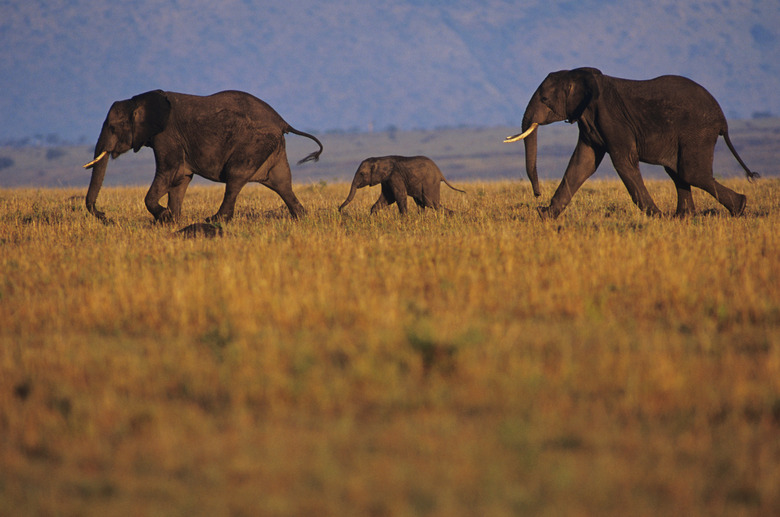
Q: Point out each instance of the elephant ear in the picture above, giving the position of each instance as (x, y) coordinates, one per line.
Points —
(380, 171)
(583, 89)
(150, 116)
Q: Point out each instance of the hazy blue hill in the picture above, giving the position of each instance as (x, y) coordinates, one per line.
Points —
(353, 64)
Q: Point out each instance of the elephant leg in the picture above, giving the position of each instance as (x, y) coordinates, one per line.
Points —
(280, 181)
(422, 202)
(735, 203)
(160, 186)
(582, 165)
(399, 193)
(433, 201)
(430, 197)
(628, 169)
(386, 198)
(176, 195)
(169, 166)
(225, 213)
(290, 200)
(402, 205)
(379, 205)
(696, 168)
(684, 198)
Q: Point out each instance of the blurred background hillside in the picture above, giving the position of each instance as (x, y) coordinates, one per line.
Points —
(356, 66)
(394, 73)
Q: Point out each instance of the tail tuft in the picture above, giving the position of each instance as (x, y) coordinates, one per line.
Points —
(313, 157)
(751, 175)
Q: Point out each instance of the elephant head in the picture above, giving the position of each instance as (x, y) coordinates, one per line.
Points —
(563, 95)
(130, 124)
(371, 171)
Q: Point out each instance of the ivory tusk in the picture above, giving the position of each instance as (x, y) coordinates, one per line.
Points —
(93, 162)
(515, 138)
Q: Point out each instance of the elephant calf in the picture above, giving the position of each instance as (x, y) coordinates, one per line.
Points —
(400, 176)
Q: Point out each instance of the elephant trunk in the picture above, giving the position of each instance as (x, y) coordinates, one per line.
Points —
(99, 166)
(536, 114)
(530, 160)
(352, 191)
(529, 139)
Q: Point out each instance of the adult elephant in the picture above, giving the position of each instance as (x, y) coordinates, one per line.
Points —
(231, 137)
(669, 121)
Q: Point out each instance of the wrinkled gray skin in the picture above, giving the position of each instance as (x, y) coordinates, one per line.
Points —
(230, 137)
(400, 176)
(669, 121)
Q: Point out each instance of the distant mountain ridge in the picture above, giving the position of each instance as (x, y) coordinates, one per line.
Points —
(358, 65)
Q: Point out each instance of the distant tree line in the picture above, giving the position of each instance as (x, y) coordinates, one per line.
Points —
(48, 140)
(52, 153)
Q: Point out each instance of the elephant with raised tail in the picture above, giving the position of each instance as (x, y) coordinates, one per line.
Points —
(669, 121)
(400, 176)
(231, 137)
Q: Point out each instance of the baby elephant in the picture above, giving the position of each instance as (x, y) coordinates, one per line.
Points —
(400, 176)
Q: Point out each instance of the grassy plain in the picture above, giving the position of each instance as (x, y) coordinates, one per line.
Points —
(481, 363)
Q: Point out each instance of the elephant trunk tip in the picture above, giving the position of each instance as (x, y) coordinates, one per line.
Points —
(350, 196)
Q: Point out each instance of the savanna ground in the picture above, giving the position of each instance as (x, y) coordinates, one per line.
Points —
(480, 363)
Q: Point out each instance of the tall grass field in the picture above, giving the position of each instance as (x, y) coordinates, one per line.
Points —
(483, 362)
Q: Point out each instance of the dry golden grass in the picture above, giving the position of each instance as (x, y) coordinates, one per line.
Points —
(481, 363)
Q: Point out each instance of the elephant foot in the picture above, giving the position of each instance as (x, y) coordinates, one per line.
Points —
(547, 212)
(682, 214)
(739, 209)
(102, 217)
(97, 213)
(299, 212)
(164, 217)
(219, 218)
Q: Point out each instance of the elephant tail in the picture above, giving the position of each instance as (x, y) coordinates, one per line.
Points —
(751, 175)
(448, 184)
(315, 156)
